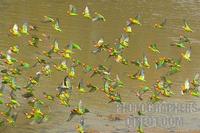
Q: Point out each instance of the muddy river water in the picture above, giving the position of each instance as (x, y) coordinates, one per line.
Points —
(104, 117)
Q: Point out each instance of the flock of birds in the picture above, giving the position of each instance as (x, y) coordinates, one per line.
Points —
(11, 69)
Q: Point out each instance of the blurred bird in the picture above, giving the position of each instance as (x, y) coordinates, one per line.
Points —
(100, 45)
(139, 75)
(80, 126)
(161, 25)
(92, 87)
(186, 87)
(81, 87)
(72, 10)
(34, 80)
(71, 72)
(186, 27)
(66, 85)
(14, 49)
(114, 97)
(145, 61)
(48, 19)
(9, 60)
(80, 110)
(128, 28)
(196, 80)
(34, 41)
(154, 48)
(56, 25)
(47, 96)
(62, 66)
(141, 91)
(39, 61)
(24, 29)
(86, 13)
(15, 30)
(98, 17)
(46, 70)
(187, 54)
(135, 21)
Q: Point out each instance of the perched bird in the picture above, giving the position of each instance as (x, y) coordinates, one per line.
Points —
(186, 27)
